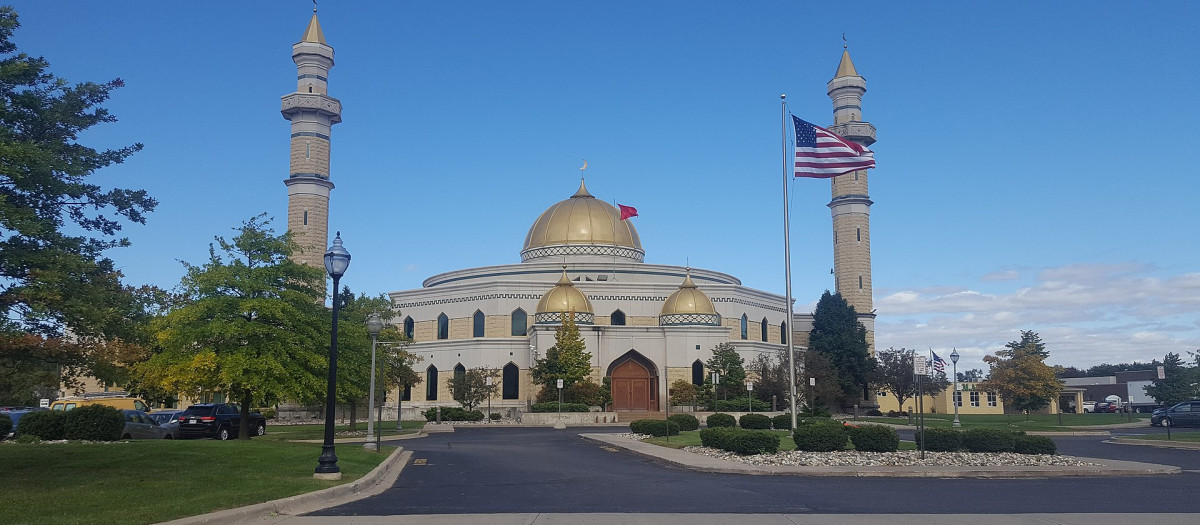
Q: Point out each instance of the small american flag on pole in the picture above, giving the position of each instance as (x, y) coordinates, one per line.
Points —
(821, 154)
(939, 364)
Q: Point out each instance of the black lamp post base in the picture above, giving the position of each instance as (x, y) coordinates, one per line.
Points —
(327, 467)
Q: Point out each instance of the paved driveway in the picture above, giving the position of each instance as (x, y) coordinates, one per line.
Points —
(514, 470)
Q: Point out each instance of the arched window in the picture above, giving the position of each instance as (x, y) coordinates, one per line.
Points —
(520, 324)
(783, 335)
(407, 394)
(431, 383)
(477, 324)
(745, 327)
(764, 330)
(617, 318)
(408, 328)
(443, 327)
(459, 371)
(698, 373)
(511, 381)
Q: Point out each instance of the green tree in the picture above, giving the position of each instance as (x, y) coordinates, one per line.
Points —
(827, 390)
(354, 348)
(1021, 376)
(838, 334)
(251, 324)
(568, 359)
(55, 226)
(731, 366)
(1179, 382)
(396, 362)
(683, 392)
(895, 376)
(470, 388)
(772, 377)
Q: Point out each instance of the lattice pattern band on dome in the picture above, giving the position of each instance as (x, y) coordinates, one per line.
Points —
(582, 249)
(556, 317)
(689, 319)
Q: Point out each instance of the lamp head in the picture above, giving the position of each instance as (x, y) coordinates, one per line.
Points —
(954, 356)
(337, 259)
(374, 325)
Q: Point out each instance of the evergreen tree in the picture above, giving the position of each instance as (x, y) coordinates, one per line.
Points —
(732, 369)
(838, 334)
(568, 359)
(1178, 384)
(1021, 376)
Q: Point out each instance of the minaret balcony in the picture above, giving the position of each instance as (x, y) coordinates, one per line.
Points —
(325, 104)
(860, 132)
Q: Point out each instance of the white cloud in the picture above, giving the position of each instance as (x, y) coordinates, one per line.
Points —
(1086, 314)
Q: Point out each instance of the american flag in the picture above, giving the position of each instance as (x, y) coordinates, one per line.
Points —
(821, 154)
(939, 364)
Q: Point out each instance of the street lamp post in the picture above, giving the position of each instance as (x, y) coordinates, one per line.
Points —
(337, 259)
(956, 396)
(374, 326)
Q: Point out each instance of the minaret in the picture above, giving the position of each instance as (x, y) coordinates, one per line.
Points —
(312, 113)
(851, 206)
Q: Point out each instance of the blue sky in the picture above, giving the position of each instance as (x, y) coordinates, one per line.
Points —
(1035, 160)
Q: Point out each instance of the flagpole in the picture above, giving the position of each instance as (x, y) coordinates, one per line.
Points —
(787, 266)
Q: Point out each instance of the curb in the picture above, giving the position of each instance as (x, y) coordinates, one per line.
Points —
(379, 479)
(1184, 445)
(706, 464)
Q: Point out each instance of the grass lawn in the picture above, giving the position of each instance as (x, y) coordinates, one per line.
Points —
(691, 438)
(1176, 435)
(160, 480)
(1035, 422)
(317, 431)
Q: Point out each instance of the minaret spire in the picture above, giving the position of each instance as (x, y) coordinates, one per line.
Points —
(312, 113)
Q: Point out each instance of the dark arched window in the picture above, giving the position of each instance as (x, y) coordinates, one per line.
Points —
(520, 325)
(477, 322)
(407, 395)
(698, 373)
(511, 380)
(431, 383)
(764, 329)
(408, 328)
(617, 318)
(783, 335)
(443, 327)
(745, 327)
(459, 371)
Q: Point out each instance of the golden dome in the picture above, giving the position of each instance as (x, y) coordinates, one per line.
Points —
(564, 297)
(688, 306)
(582, 225)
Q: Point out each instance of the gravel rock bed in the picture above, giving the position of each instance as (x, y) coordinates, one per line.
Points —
(903, 458)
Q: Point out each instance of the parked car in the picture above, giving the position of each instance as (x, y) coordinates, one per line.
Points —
(1185, 414)
(218, 420)
(1089, 406)
(168, 419)
(139, 425)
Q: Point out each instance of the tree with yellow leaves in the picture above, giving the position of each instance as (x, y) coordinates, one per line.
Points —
(1021, 376)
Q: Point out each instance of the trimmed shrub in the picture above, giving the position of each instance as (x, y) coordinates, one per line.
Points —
(26, 439)
(874, 412)
(43, 424)
(1024, 444)
(820, 437)
(815, 412)
(453, 414)
(754, 422)
(654, 427)
(494, 416)
(552, 406)
(874, 438)
(5, 425)
(720, 420)
(941, 439)
(782, 422)
(740, 405)
(893, 413)
(740, 441)
(685, 421)
(474, 415)
(988, 440)
(94, 423)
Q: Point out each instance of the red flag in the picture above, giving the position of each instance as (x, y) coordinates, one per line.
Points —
(627, 211)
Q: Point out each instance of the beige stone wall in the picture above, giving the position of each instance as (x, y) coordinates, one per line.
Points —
(424, 331)
(310, 155)
(310, 238)
(460, 328)
(852, 259)
(641, 321)
(853, 183)
(734, 324)
(497, 326)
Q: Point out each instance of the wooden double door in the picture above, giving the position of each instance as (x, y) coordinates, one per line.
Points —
(633, 388)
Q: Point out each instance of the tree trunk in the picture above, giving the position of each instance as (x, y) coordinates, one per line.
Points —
(353, 415)
(244, 425)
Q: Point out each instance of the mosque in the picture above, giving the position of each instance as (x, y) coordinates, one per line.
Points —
(645, 325)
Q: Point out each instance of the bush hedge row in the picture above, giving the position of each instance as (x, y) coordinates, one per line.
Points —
(453, 414)
(720, 420)
(941, 439)
(654, 427)
(552, 406)
(986, 440)
(740, 441)
(740, 405)
(819, 435)
(685, 421)
(89, 423)
(782, 422)
(5, 425)
(754, 422)
(43, 424)
(874, 438)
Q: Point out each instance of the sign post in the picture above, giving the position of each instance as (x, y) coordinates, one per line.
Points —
(560, 425)
(812, 384)
(919, 370)
(488, 380)
(749, 398)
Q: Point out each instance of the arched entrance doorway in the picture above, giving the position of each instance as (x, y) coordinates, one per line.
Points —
(634, 383)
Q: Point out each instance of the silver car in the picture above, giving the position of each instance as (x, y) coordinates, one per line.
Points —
(168, 419)
(139, 425)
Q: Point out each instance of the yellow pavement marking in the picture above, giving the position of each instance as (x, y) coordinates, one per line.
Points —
(419, 461)
(611, 449)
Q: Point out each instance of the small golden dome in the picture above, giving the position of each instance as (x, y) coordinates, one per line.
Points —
(564, 297)
(582, 225)
(688, 300)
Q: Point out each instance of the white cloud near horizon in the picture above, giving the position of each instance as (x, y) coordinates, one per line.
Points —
(1085, 313)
